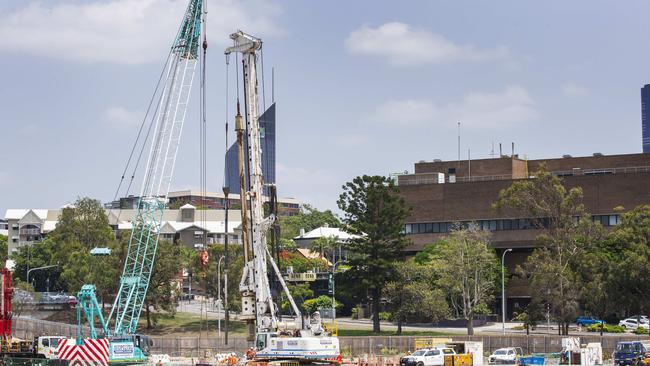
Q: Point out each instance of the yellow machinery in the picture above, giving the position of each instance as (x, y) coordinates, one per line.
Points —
(430, 342)
(458, 360)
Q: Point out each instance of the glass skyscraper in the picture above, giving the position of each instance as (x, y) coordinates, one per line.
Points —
(267, 141)
(645, 117)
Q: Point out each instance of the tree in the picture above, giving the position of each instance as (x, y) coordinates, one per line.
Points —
(530, 316)
(412, 296)
(376, 214)
(321, 302)
(36, 255)
(4, 248)
(467, 271)
(105, 271)
(309, 218)
(324, 244)
(567, 231)
(287, 245)
(85, 223)
(162, 296)
(626, 258)
(81, 228)
(300, 293)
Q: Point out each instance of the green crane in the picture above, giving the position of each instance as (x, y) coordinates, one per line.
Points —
(166, 123)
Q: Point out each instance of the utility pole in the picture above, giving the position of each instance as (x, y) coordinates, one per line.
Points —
(503, 290)
(226, 191)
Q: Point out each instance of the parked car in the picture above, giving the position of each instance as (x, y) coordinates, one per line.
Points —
(629, 353)
(641, 317)
(508, 355)
(427, 357)
(588, 320)
(633, 323)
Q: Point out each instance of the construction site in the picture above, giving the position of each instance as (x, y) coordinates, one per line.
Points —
(273, 329)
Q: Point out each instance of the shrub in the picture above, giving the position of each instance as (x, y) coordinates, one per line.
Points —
(607, 328)
(346, 351)
(355, 313)
(640, 330)
(385, 351)
(384, 315)
(321, 302)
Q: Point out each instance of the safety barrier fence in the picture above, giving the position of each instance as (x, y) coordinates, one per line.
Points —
(198, 346)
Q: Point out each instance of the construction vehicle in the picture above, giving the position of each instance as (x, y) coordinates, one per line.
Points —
(11, 347)
(166, 124)
(443, 351)
(275, 341)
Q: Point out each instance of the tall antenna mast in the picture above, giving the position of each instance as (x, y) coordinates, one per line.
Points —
(458, 146)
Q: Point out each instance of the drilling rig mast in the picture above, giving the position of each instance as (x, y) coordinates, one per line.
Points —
(274, 340)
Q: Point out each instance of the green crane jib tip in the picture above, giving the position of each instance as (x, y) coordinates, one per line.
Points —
(187, 40)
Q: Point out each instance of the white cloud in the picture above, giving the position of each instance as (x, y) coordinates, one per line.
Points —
(406, 112)
(571, 89)
(121, 117)
(123, 31)
(402, 45)
(477, 109)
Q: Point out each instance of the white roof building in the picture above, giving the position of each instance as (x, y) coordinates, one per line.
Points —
(187, 225)
(326, 231)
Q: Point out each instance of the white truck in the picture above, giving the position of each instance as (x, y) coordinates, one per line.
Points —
(508, 355)
(427, 357)
(46, 346)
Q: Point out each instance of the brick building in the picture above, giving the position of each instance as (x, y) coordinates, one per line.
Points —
(444, 192)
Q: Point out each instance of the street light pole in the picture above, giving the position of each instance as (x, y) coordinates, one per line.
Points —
(503, 289)
(37, 268)
(219, 296)
(333, 290)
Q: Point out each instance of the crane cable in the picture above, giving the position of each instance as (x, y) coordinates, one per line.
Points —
(202, 133)
(203, 146)
(137, 141)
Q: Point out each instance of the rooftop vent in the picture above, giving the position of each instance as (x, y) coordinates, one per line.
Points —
(566, 156)
(598, 154)
(437, 160)
(421, 161)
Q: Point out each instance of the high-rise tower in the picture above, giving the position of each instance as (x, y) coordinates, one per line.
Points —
(645, 117)
(267, 141)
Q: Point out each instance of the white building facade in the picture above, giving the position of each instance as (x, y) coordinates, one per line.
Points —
(187, 225)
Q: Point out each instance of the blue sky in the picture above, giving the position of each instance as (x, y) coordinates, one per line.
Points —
(363, 87)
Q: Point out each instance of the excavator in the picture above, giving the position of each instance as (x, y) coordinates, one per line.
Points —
(275, 341)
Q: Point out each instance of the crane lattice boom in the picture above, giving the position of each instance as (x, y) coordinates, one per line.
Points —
(168, 124)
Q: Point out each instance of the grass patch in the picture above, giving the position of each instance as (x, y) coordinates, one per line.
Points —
(188, 323)
(368, 332)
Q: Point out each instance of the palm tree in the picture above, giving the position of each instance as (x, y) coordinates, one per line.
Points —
(323, 245)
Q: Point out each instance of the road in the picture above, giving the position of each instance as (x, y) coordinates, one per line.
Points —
(208, 309)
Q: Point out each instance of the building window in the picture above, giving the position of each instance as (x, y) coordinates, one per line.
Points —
(607, 220)
(498, 225)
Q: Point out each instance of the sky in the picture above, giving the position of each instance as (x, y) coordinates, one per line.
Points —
(362, 87)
